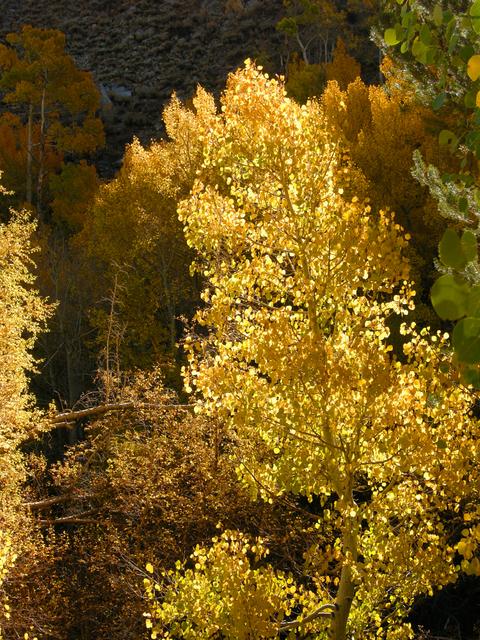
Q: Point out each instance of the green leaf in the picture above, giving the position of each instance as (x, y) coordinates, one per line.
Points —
(466, 52)
(437, 15)
(453, 42)
(449, 298)
(419, 50)
(425, 34)
(470, 98)
(476, 24)
(447, 138)
(473, 302)
(450, 250)
(439, 101)
(475, 9)
(462, 204)
(466, 340)
(469, 245)
(452, 23)
(390, 37)
(475, 15)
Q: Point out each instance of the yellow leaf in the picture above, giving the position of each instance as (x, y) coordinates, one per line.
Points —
(149, 567)
(473, 68)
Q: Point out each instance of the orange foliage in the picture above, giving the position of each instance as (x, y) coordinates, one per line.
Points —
(343, 68)
(57, 103)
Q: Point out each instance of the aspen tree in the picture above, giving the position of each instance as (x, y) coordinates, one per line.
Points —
(302, 283)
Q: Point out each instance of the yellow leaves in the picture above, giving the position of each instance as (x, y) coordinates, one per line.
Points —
(297, 359)
(227, 593)
(473, 67)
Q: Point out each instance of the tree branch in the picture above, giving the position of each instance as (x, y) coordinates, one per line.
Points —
(323, 610)
(68, 520)
(80, 518)
(48, 502)
(68, 418)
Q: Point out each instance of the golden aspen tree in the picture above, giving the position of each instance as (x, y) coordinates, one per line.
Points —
(368, 119)
(60, 102)
(303, 281)
(133, 230)
(22, 316)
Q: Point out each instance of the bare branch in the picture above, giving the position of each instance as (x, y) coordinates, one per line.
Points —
(68, 418)
(68, 520)
(48, 502)
(323, 610)
(79, 518)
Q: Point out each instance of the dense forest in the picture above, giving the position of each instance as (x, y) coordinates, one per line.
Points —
(240, 321)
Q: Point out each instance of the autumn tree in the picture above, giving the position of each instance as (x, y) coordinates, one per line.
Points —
(134, 235)
(308, 80)
(27, 601)
(302, 281)
(149, 481)
(367, 119)
(56, 101)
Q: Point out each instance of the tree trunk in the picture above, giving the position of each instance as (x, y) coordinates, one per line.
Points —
(343, 602)
(41, 157)
(347, 586)
(29, 154)
(303, 49)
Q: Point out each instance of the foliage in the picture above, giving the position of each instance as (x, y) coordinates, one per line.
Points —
(13, 158)
(228, 591)
(73, 191)
(301, 283)
(437, 47)
(343, 67)
(26, 601)
(136, 238)
(149, 482)
(368, 119)
(315, 25)
(57, 102)
(308, 80)
(304, 80)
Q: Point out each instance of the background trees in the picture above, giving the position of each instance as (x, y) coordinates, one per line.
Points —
(56, 102)
(136, 241)
(28, 604)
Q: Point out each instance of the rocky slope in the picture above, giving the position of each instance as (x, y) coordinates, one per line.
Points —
(141, 50)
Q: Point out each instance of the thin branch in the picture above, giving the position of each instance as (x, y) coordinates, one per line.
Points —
(68, 520)
(80, 518)
(48, 502)
(326, 610)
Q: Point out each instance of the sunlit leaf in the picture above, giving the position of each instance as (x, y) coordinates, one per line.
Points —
(473, 67)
